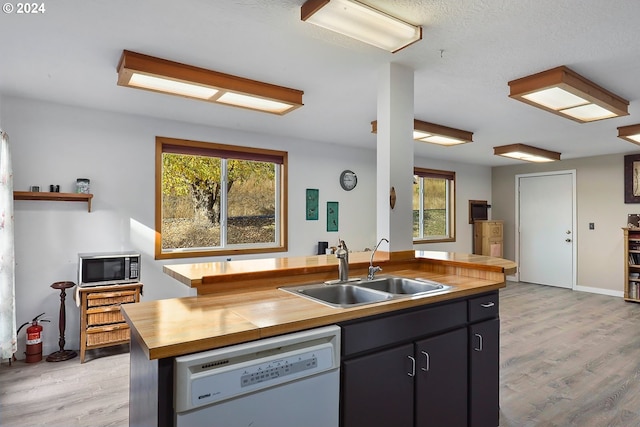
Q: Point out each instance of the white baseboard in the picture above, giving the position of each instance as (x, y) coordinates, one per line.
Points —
(609, 292)
(600, 291)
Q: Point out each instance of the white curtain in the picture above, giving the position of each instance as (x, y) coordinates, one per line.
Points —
(8, 343)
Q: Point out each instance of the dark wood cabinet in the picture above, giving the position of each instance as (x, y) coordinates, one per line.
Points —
(422, 384)
(484, 369)
(441, 380)
(430, 367)
(406, 369)
(377, 390)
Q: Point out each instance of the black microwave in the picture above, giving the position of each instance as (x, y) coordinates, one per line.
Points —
(108, 268)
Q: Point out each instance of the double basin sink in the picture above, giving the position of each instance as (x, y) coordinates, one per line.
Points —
(357, 292)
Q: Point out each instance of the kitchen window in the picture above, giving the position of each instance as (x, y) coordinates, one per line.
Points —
(433, 206)
(214, 199)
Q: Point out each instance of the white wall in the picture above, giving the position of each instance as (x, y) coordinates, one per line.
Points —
(55, 144)
(600, 199)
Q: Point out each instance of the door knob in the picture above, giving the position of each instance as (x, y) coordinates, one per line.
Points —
(567, 240)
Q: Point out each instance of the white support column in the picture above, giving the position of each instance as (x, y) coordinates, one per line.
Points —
(395, 157)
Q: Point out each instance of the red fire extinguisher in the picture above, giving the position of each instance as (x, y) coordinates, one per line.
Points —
(34, 339)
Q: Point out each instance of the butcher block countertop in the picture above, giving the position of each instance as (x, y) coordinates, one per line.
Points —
(239, 301)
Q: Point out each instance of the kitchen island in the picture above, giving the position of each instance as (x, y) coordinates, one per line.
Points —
(239, 301)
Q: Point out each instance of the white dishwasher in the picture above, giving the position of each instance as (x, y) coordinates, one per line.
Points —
(288, 380)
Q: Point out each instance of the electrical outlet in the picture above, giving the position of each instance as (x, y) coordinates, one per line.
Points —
(592, 226)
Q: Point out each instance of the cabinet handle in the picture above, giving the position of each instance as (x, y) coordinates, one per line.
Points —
(413, 367)
(487, 305)
(479, 348)
(426, 361)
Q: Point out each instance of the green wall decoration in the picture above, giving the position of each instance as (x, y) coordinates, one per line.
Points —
(332, 216)
(312, 204)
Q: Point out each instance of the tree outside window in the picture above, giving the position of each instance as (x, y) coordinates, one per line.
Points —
(433, 205)
(215, 199)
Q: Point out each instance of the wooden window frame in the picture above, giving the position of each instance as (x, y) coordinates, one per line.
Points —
(451, 207)
(164, 144)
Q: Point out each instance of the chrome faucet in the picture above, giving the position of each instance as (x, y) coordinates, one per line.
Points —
(373, 270)
(342, 253)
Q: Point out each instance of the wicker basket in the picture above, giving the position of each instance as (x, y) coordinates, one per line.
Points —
(104, 317)
(97, 336)
(97, 299)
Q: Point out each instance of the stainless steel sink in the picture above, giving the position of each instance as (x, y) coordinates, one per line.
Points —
(402, 285)
(360, 292)
(341, 295)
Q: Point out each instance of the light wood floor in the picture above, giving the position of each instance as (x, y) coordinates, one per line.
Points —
(67, 394)
(567, 359)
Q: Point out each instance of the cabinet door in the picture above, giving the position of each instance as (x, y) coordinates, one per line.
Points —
(377, 389)
(484, 358)
(441, 380)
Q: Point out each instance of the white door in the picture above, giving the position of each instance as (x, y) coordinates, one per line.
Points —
(546, 238)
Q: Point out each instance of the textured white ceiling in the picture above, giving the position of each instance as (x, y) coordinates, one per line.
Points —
(470, 50)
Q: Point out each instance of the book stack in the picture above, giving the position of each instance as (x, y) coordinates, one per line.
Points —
(634, 285)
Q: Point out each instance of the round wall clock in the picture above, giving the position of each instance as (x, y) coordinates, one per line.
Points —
(348, 180)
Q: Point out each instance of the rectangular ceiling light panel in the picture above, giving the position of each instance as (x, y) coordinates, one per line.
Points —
(441, 135)
(417, 135)
(434, 133)
(630, 133)
(555, 98)
(158, 84)
(566, 93)
(253, 103)
(361, 22)
(526, 153)
(160, 75)
(589, 113)
(442, 140)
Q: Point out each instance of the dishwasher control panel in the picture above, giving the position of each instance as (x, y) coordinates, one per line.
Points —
(213, 376)
(280, 369)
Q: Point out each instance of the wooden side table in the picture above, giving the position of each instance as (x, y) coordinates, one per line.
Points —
(101, 322)
(62, 354)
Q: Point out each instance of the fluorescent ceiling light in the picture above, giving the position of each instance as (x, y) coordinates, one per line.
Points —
(420, 135)
(361, 22)
(253, 103)
(442, 140)
(589, 113)
(630, 133)
(566, 93)
(555, 98)
(435, 134)
(441, 135)
(165, 85)
(160, 75)
(526, 153)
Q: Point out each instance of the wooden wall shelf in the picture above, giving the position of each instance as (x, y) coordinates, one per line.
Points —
(61, 197)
